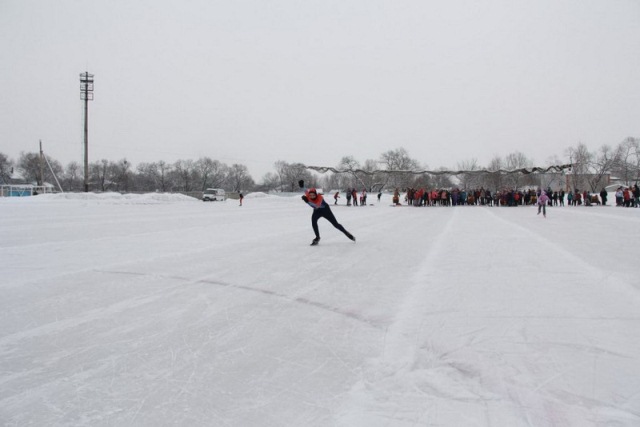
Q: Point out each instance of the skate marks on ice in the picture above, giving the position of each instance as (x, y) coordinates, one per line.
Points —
(22, 349)
(383, 389)
(270, 293)
(546, 235)
(449, 361)
(417, 380)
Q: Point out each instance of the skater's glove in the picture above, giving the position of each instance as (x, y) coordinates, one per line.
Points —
(301, 183)
(306, 200)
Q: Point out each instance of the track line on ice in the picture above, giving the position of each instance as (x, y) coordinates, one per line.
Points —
(571, 257)
(389, 372)
(299, 300)
(399, 350)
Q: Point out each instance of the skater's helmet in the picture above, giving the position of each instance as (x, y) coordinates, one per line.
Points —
(313, 190)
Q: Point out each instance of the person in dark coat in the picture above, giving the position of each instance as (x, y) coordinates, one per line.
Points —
(603, 196)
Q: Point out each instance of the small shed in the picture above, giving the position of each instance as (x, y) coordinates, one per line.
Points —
(24, 190)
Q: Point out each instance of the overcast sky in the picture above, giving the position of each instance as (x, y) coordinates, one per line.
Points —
(256, 81)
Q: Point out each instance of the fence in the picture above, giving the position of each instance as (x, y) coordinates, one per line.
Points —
(23, 190)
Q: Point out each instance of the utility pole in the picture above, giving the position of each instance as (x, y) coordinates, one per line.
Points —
(86, 94)
(41, 166)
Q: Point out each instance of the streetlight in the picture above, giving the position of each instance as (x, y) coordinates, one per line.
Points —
(86, 94)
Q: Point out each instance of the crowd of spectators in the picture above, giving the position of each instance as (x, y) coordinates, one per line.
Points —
(420, 197)
(628, 197)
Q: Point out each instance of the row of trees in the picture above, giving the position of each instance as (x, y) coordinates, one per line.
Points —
(365, 176)
(591, 170)
(182, 176)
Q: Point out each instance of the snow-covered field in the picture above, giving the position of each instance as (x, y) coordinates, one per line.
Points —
(162, 310)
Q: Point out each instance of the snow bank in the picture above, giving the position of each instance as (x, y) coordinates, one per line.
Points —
(147, 198)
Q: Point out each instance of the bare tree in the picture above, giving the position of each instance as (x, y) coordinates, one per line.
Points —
(553, 180)
(73, 177)
(239, 178)
(423, 181)
(399, 160)
(601, 165)
(440, 181)
(369, 180)
(155, 176)
(590, 168)
(6, 168)
(332, 181)
(580, 158)
(144, 177)
(29, 166)
(52, 170)
(162, 175)
(514, 161)
(36, 169)
(120, 174)
(99, 178)
(282, 169)
(494, 179)
(469, 180)
(290, 173)
(354, 179)
(185, 173)
(270, 182)
(213, 174)
(627, 165)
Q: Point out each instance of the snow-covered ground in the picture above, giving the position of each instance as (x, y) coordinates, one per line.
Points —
(163, 310)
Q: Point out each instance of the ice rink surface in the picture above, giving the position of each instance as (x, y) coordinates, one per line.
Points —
(155, 310)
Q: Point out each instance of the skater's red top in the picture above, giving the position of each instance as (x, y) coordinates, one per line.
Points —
(314, 202)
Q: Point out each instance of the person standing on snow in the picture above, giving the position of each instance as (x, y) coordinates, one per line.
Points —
(321, 209)
(619, 196)
(603, 196)
(542, 203)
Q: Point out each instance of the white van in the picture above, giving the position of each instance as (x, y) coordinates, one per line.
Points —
(213, 194)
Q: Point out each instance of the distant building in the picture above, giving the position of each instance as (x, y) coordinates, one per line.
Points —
(589, 182)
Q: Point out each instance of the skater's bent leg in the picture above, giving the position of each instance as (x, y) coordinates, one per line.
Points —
(314, 222)
(332, 219)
